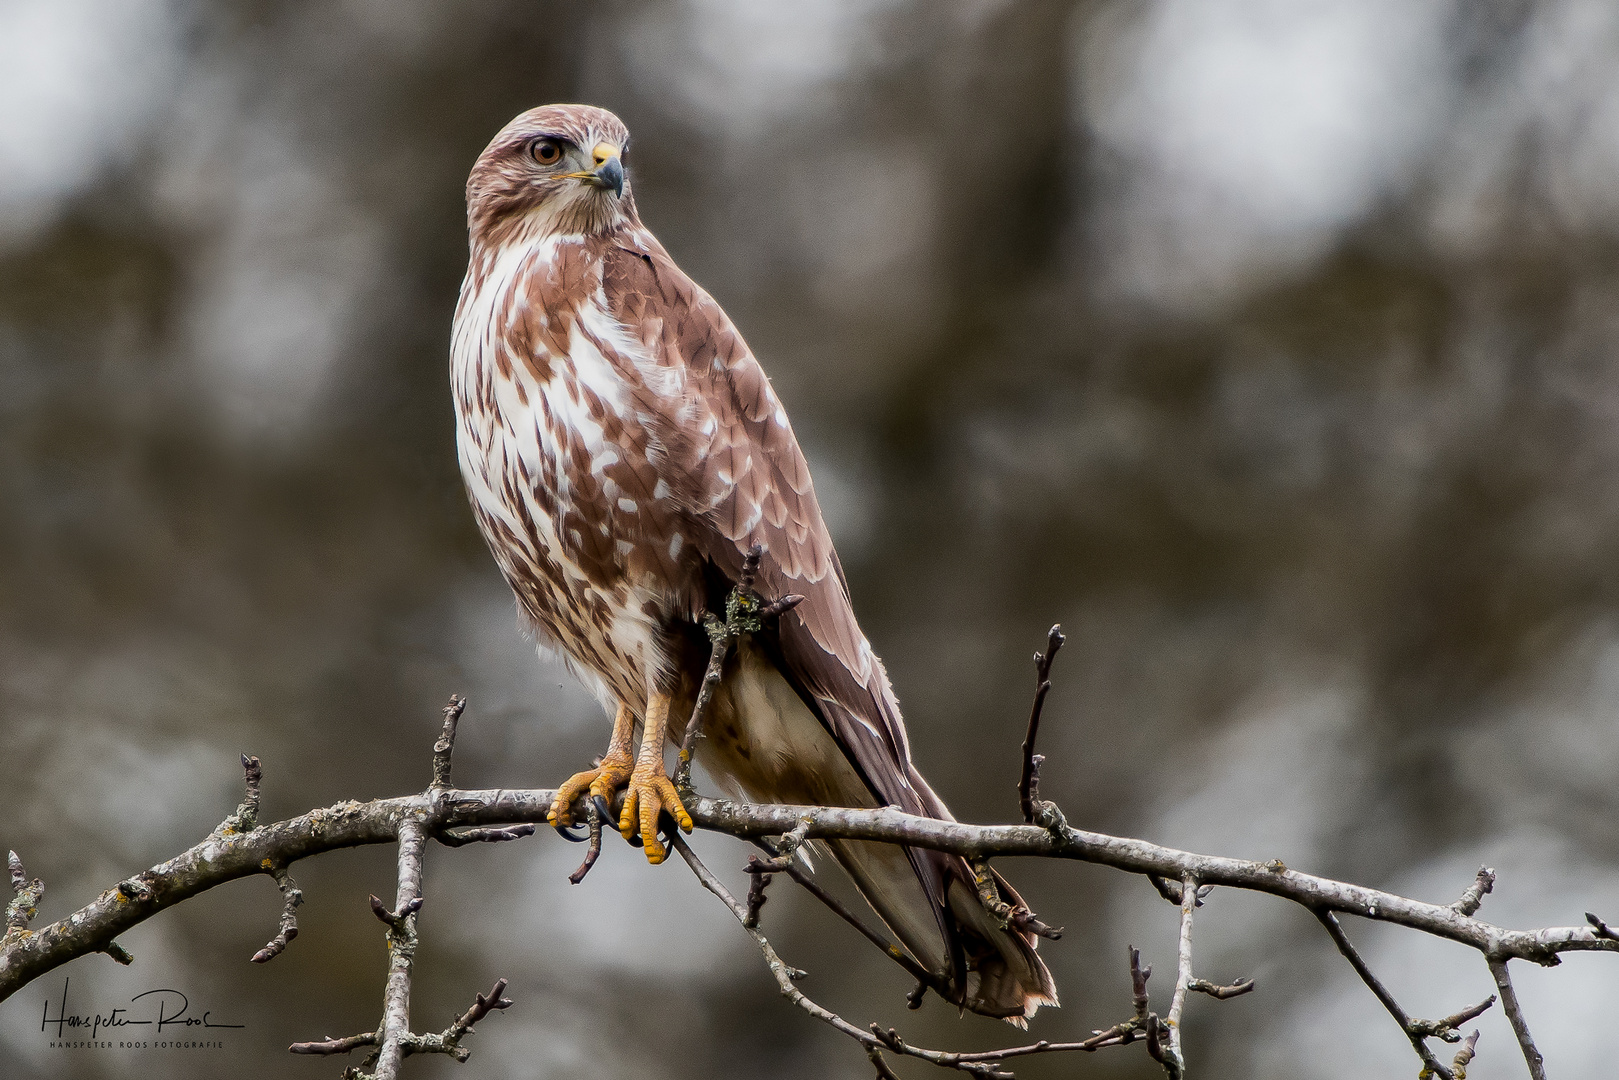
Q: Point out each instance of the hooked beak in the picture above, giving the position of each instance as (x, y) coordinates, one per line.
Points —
(609, 171)
(610, 174)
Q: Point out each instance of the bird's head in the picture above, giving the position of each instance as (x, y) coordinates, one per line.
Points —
(554, 170)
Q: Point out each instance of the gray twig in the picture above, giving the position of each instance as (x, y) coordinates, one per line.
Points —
(1446, 1029)
(25, 900)
(1028, 788)
(1221, 993)
(444, 748)
(925, 979)
(245, 818)
(1458, 1065)
(875, 1040)
(1175, 1055)
(292, 896)
(454, 838)
(721, 648)
(447, 1041)
(756, 891)
(1520, 1026)
(395, 1029)
(1345, 946)
(1474, 896)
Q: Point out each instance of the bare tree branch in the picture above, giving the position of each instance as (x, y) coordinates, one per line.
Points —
(1028, 788)
(1520, 1026)
(1175, 1056)
(1345, 946)
(292, 897)
(227, 857)
(241, 847)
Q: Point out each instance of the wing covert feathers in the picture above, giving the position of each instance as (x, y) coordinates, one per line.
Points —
(747, 483)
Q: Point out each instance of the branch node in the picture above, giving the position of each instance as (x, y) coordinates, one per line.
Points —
(134, 889)
(1171, 890)
(1603, 930)
(1446, 1029)
(760, 880)
(1474, 896)
(395, 920)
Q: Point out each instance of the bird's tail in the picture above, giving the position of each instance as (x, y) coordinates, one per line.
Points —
(979, 964)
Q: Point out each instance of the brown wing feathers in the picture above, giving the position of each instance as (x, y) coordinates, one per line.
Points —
(754, 488)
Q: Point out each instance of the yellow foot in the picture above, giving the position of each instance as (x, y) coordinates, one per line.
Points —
(604, 780)
(650, 793)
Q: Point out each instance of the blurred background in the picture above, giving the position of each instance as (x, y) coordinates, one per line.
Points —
(1265, 345)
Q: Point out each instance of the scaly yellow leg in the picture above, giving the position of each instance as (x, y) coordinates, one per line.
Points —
(606, 778)
(651, 791)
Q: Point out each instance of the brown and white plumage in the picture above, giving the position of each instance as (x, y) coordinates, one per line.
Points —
(623, 450)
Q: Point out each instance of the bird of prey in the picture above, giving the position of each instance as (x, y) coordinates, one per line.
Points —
(623, 451)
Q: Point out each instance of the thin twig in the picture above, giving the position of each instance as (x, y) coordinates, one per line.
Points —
(980, 1064)
(292, 896)
(1028, 788)
(395, 1029)
(335, 1046)
(245, 818)
(25, 900)
(1520, 1026)
(462, 837)
(1458, 1067)
(720, 649)
(756, 892)
(444, 748)
(1474, 896)
(1446, 1029)
(1345, 946)
(448, 1041)
(1175, 1063)
(925, 978)
(1221, 993)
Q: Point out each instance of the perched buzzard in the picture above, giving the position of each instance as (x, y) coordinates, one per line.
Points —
(623, 451)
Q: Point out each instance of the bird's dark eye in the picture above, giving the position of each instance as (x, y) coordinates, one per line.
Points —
(546, 151)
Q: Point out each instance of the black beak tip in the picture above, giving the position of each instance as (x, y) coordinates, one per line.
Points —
(611, 174)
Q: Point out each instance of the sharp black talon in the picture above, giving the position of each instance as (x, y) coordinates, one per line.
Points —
(567, 833)
(603, 809)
